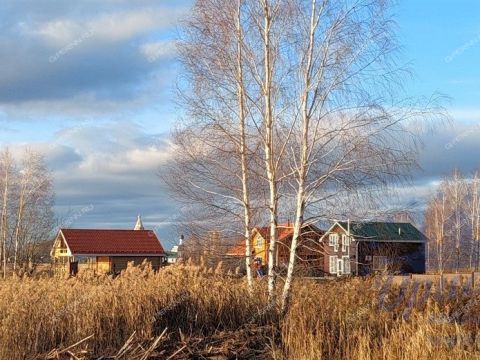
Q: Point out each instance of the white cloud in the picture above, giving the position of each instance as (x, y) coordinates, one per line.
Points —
(59, 32)
(466, 114)
(158, 50)
(115, 27)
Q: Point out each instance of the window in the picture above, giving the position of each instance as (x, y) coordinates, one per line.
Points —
(380, 262)
(346, 264)
(333, 241)
(333, 264)
(259, 241)
(340, 271)
(345, 242)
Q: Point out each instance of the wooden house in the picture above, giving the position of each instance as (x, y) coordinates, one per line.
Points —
(309, 252)
(362, 248)
(105, 251)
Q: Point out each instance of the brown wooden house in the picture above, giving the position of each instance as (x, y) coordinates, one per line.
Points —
(362, 248)
(105, 251)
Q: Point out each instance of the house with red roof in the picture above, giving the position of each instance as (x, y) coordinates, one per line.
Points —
(106, 251)
(309, 251)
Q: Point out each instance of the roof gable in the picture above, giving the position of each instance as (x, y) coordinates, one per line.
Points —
(112, 242)
(383, 231)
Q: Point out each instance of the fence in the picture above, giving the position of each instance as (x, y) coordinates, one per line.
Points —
(472, 278)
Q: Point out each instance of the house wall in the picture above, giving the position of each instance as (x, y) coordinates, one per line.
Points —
(60, 248)
(119, 263)
(406, 257)
(259, 245)
(103, 264)
(340, 253)
(310, 257)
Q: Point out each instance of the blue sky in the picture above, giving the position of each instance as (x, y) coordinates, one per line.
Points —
(91, 85)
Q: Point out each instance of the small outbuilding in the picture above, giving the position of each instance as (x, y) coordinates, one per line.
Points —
(105, 250)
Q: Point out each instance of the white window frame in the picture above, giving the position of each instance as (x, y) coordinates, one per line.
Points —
(345, 242)
(333, 241)
(340, 267)
(259, 242)
(332, 264)
(346, 265)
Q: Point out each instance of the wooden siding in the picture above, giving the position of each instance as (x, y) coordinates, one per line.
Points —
(260, 251)
(404, 257)
(60, 249)
(103, 264)
(120, 263)
(309, 252)
(408, 257)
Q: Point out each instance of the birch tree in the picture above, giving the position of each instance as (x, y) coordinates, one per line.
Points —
(436, 223)
(474, 217)
(212, 52)
(269, 15)
(27, 200)
(349, 129)
(456, 194)
(7, 170)
(303, 95)
(33, 200)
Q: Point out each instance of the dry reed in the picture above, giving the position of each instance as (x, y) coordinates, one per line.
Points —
(189, 311)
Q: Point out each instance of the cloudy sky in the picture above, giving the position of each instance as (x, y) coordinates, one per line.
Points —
(91, 84)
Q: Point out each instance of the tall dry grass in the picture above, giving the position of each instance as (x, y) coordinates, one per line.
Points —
(188, 311)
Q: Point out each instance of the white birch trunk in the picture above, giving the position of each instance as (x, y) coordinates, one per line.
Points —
(304, 162)
(243, 151)
(268, 147)
(4, 213)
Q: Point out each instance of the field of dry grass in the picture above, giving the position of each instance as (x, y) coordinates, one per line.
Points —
(185, 312)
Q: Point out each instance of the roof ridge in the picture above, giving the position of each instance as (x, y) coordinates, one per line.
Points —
(89, 229)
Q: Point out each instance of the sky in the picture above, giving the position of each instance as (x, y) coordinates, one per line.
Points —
(91, 84)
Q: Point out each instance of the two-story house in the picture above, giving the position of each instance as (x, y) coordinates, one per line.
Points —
(361, 248)
(309, 252)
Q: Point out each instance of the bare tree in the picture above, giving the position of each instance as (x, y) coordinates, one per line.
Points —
(452, 221)
(269, 15)
(344, 137)
(436, 223)
(213, 52)
(33, 219)
(27, 198)
(456, 194)
(7, 169)
(301, 96)
(474, 217)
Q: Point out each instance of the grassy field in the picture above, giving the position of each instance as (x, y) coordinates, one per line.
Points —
(185, 312)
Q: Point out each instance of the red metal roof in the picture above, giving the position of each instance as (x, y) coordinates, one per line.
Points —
(238, 249)
(113, 242)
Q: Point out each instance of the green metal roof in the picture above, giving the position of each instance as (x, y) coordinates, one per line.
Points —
(387, 231)
(171, 254)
